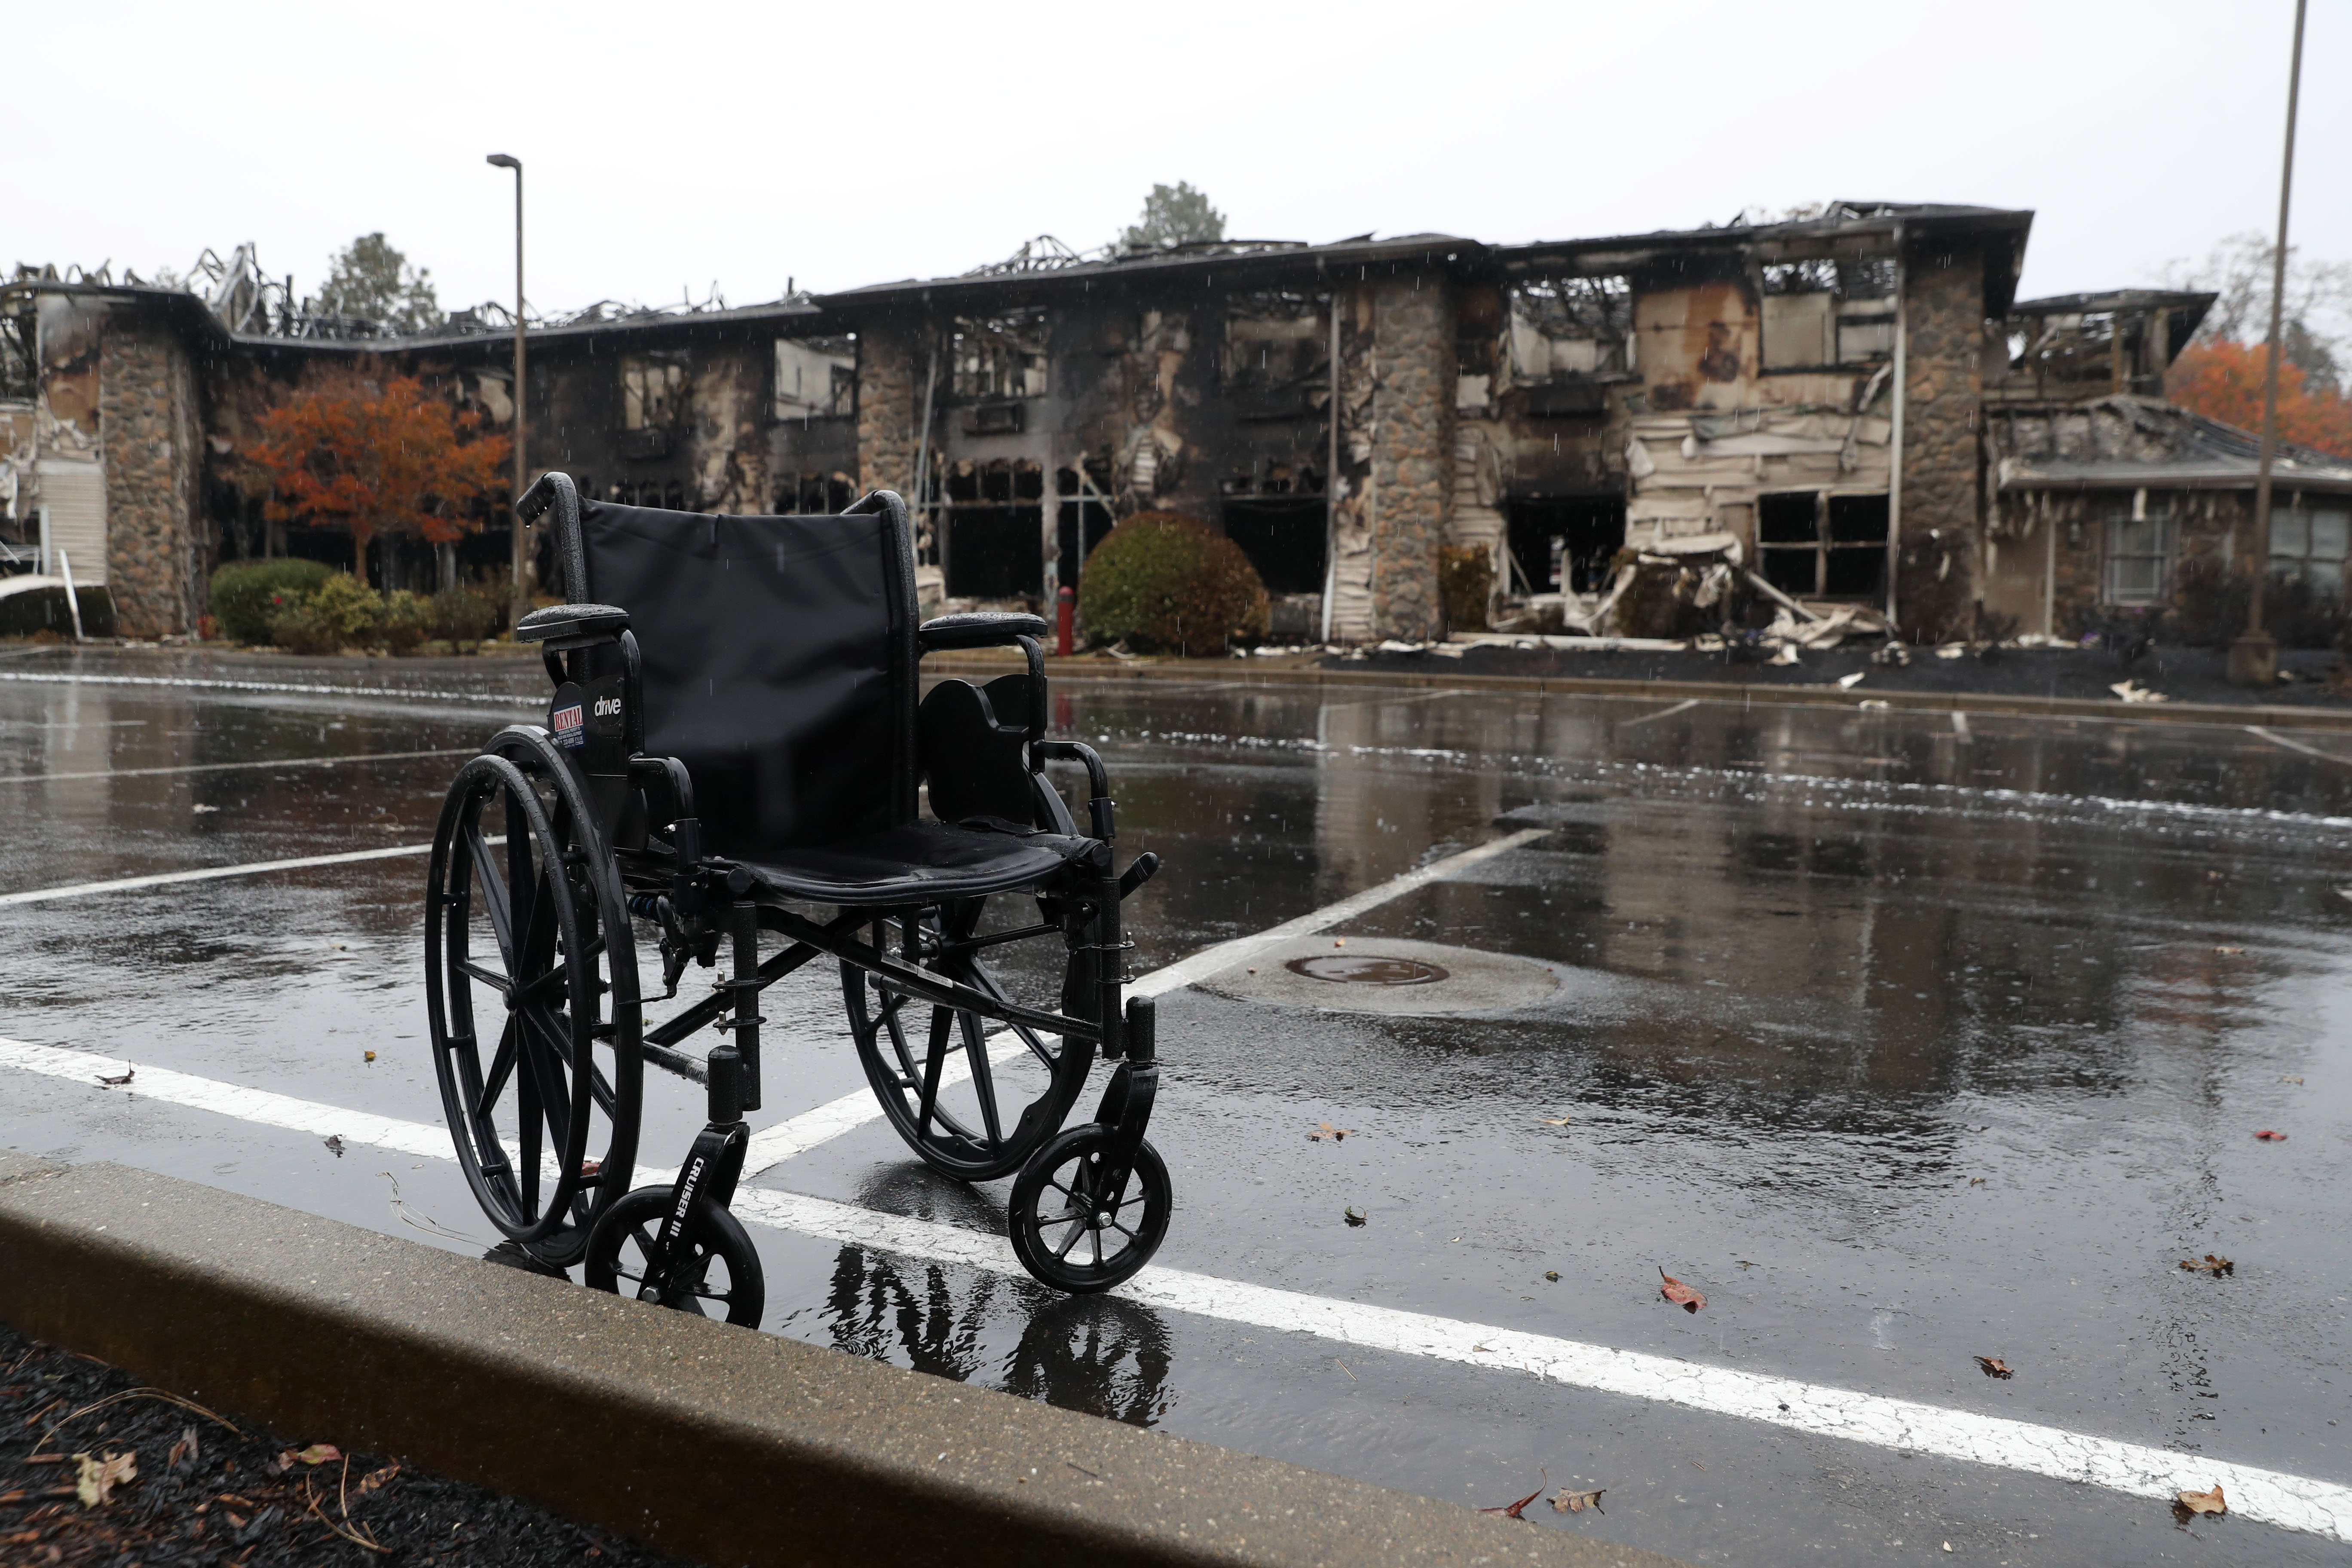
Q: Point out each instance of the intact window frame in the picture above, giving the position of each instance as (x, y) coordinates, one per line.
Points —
(2166, 556)
(2296, 567)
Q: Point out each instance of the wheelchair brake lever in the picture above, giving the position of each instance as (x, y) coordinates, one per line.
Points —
(1145, 866)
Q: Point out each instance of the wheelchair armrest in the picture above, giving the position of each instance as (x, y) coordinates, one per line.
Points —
(572, 625)
(978, 628)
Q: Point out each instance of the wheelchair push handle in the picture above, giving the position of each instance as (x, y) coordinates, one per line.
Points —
(556, 491)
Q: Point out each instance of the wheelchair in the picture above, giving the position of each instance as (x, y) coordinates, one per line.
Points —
(736, 745)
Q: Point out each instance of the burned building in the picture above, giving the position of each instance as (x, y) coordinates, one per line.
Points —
(1854, 400)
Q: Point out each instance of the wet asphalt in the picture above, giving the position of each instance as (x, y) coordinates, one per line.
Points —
(1907, 1042)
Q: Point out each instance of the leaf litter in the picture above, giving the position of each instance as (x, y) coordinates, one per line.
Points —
(1577, 1502)
(2203, 1502)
(1326, 1133)
(2216, 1266)
(1680, 1294)
(1994, 1366)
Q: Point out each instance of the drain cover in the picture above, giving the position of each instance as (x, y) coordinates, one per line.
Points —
(1365, 969)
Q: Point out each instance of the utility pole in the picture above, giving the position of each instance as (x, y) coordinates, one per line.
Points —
(521, 553)
(2254, 657)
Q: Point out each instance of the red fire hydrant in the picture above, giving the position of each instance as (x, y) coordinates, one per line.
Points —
(1065, 614)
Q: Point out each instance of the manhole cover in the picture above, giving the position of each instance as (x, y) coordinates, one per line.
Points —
(1364, 969)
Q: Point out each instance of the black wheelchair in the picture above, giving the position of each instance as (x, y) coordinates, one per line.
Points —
(736, 745)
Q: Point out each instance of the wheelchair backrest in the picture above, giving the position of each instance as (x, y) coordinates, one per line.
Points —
(779, 661)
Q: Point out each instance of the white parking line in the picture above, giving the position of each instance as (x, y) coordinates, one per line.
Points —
(2292, 745)
(303, 688)
(232, 767)
(208, 873)
(2295, 1502)
(1683, 707)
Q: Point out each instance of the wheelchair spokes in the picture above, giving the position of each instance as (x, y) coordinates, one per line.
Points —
(972, 1108)
(1082, 1219)
(517, 936)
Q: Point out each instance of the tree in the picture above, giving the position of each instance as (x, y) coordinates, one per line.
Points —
(379, 456)
(369, 279)
(2224, 380)
(1172, 215)
(2316, 324)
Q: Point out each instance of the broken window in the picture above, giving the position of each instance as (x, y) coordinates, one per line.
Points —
(815, 494)
(1277, 355)
(999, 356)
(654, 393)
(1562, 544)
(1814, 545)
(2140, 560)
(1819, 314)
(18, 382)
(1563, 328)
(2309, 546)
(816, 378)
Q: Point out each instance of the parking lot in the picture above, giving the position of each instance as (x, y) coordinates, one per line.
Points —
(1904, 1038)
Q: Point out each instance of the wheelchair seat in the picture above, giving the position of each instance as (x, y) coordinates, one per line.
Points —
(920, 862)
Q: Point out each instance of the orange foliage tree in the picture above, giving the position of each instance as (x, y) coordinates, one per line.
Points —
(2224, 380)
(381, 457)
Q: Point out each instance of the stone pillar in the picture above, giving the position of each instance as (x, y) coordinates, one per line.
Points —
(150, 426)
(1396, 409)
(1943, 303)
(1412, 448)
(889, 409)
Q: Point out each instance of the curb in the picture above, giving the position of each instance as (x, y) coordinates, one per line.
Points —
(697, 1440)
(1234, 672)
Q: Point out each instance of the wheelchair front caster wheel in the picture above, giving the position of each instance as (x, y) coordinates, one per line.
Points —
(620, 1257)
(1070, 1230)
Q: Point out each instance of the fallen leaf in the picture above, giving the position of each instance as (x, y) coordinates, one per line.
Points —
(185, 1450)
(1353, 1215)
(1851, 681)
(1680, 1294)
(1511, 1509)
(98, 1478)
(1552, 1274)
(2216, 1266)
(1994, 1366)
(319, 1454)
(370, 1054)
(2206, 1503)
(127, 1074)
(381, 1477)
(1558, 1120)
(2230, 951)
(1341, 942)
(2267, 1136)
(335, 1145)
(1976, 1180)
(1326, 1133)
(1577, 1502)
(2283, 1079)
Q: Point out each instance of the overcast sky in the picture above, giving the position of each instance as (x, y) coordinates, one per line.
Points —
(669, 148)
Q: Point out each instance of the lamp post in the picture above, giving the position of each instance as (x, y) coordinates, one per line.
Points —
(521, 556)
(2254, 657)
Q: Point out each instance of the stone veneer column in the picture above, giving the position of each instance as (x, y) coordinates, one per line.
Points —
(1942, 468)
(888, 410)
(150, 429)
(1411, 451)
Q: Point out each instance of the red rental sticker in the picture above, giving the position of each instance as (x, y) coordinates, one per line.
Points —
(568, 718)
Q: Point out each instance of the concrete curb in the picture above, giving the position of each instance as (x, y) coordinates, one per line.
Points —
(699, 1440)
(1236, 672)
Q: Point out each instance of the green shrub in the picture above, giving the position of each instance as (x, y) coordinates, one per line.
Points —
(350, 608)
(405, 621)
(300, 628)
(466, 615)
(248, 595)
(1162, 582)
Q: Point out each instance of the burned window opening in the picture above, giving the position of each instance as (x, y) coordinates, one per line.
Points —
(973, 481)
(1270, 477)
(1823, 314)
(1564, 544)
(1285, 538)
(1816, 545)
(1568, 329)
(998, 356)
(665, 493)
(655, 393)
(816, 378)
(1082, 519)
(815, 494)
(1277, 361)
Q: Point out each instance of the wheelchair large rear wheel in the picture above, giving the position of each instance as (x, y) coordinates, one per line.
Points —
(973, 1106)
(530, 989)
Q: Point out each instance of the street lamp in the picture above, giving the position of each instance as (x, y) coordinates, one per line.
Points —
(2254, 657)
(521, 556)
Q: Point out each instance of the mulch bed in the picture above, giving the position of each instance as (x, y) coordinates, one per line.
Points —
(191, 1489)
